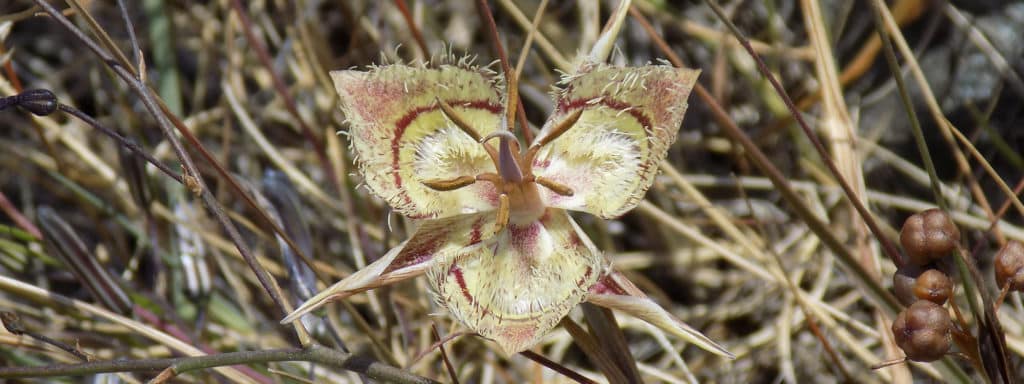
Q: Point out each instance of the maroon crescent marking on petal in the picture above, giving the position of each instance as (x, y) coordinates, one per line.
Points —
(455, 270)
(411, 116)
(474, 236)
(568, 105)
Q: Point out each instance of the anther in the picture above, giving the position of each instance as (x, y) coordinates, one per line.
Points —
(503, 212)
(450, 184)
(559, 129)
(492, 178)
(452, 115)
(459, 122)
(554, 186)
(555, 133)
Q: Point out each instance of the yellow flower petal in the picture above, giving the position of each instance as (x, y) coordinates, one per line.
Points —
(610, 157)
(401, 137)
(516, 286)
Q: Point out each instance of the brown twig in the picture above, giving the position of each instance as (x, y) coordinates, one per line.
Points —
(778, 179)
(180, 365)
(887, 245)
(416, 35)
(506, 68)
(282, 90)
(444, 355)
(161, 117)
(540, 359)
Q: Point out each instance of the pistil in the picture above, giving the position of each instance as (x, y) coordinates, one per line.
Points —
(519, 200)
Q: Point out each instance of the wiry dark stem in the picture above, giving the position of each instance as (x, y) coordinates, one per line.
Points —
(416, 35)
(887, 245)
(181, 365)
(514, 106)
(127, 142)
(282, 90)
(162, 121)
(556, 367)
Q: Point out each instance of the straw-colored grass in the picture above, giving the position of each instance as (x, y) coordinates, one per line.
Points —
(749, 234)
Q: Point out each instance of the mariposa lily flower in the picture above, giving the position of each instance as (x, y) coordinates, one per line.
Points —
(495, 241)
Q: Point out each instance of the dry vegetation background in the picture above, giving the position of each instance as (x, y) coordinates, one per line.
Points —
(716, 243)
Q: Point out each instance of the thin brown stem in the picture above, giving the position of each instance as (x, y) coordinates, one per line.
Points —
(887, 245)
(19, 219)
(282, 90)
(514, 105)
(540, 359)
(764, 164)
(444, 355)
(179, 365)
(415, 31)
(161, 116)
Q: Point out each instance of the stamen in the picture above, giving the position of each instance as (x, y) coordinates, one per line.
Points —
(493, 178)
(555, 133)
(452, 115)
(451, 184)
(503, 212)
(459, 122)
(554, 186)
(559, 129)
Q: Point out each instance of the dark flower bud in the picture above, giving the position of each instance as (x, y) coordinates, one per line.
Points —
(40, 102)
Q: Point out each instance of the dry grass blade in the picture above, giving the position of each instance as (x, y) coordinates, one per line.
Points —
(285, 202)
(76, 256)
(773, 256)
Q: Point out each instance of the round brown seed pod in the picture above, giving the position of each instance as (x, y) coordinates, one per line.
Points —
(1009, 266)
(934, 286)
(903, 283)
(929, 235)
(922, 331)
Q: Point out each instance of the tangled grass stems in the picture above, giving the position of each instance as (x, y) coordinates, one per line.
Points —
(758, 266)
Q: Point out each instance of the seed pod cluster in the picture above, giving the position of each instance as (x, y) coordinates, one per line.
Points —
(922, 331)
(1009, 266)
(929, 236)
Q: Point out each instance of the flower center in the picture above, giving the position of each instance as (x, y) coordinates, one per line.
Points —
(519, 200)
